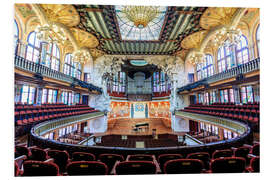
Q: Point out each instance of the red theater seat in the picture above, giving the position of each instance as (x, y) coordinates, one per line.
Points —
(203, 156)
(110, 159)
(228, 165)
(40, 168)
(254, 164)
(39, 154)
(86, 168)
(183, 166)
(61, 158)
(163, 158)
(222, 153)
(83, 156)
(135, 167)
(141, 157)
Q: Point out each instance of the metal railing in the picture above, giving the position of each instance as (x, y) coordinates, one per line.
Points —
(233, 72)
(43, 71)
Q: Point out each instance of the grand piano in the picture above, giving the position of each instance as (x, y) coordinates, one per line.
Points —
(142, 124)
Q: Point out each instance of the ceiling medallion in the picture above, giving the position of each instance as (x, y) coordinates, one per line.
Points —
(141, 15)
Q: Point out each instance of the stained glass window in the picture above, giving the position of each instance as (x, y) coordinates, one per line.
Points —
(131, 32)
(16, 35)
(28, 94)
(231, 91)
(64, 97)
(33, 48)
(224, 96)
(258, 39)
(225, 58)
(242, 51)
(53, 56)
(206, 68)
(44, 95)
(246, 94)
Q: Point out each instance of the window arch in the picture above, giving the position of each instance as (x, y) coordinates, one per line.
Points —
(225, 57)
(53, 56)
(242, 51)
(16, 35)
(258, 39)
(206, 68)
(33, 47)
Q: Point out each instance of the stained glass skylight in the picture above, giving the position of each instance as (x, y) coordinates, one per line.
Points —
(129, 31)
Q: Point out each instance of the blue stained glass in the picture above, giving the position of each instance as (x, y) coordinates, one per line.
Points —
(131, 32)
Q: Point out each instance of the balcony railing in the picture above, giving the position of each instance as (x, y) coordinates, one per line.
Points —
(234, 72)
(43, 71)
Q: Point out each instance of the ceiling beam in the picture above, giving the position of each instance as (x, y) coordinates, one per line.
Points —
(189, 12)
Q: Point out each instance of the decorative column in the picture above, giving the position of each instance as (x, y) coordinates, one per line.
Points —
(59, 92)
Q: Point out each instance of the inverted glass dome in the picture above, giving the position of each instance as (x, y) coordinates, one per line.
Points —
(138, 62)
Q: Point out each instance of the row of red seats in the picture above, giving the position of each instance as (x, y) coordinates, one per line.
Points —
(248, 115)
(116, 94)
(249, 105)
(33, 116)
(83, 163)
(162, 94)
(45, 106)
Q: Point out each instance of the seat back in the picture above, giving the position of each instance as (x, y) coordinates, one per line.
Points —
(17, 169)
(222, 153)
(203, 156)
(141, 157)
(228, 165)
(86, 168)
(39, 168)
(38, 154)
(183, 166)
(163, 158)
(110, 159)
(241, 152)
(255, 164)
(256, 150)
(83, 156)
(135, 167)
(22, 150)
(60, 158)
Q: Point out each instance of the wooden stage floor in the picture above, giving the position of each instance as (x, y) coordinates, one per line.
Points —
(124, 126)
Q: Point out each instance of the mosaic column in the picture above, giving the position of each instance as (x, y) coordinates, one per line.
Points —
(237, 94)
(39, 95)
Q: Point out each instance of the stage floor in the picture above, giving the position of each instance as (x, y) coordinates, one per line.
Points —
(124, 126)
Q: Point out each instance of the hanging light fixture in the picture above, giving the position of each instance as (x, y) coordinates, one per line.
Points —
(141, 16)
(81, 55)
(51, 33)
(196, 58)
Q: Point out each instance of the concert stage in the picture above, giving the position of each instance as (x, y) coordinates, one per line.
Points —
(127, 126)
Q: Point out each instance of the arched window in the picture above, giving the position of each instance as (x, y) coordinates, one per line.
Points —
(16, 35)
(206, 68)
(225, 57)
(242, 51)
(69, 67)
(53, 57)
(258, 39)
(33, 48)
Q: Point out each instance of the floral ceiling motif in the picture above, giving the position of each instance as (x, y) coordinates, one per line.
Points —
(84, 39)
(194, 40)
(215, 16)
(63, 13)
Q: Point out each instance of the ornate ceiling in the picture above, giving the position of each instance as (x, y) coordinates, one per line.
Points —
(102, 21)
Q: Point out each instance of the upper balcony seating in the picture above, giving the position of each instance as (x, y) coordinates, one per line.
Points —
(30, 114)
(249, 112)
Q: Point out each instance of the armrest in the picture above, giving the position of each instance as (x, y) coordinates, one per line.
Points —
(50, 160)
(251, 156)
(113, 169)
(32, 147)
(19, 160)
(256, 142)
(247, 145)
(233, 148)
(47, 149)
